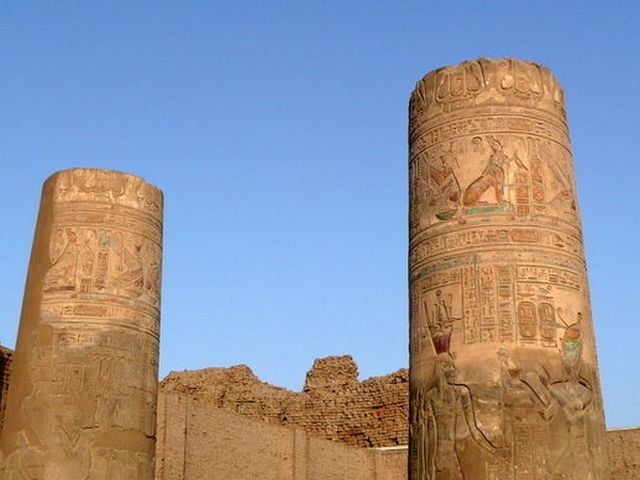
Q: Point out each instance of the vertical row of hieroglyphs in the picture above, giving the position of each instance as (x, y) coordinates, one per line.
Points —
(504, 381)
(82, 398)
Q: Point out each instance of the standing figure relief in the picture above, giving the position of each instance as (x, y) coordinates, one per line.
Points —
(454, 440)
(63, 256)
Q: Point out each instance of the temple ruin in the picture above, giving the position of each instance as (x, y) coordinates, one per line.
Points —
(503, 380)
(229, 422)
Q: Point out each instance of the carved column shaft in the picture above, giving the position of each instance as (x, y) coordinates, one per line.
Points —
(503, 380)
(82, 399)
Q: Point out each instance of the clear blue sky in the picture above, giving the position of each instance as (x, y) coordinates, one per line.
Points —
(277, 131)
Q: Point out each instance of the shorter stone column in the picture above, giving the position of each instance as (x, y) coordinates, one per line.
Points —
(82, 400)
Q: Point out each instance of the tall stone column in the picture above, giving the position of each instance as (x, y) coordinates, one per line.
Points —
(503, 380)
(82, 399)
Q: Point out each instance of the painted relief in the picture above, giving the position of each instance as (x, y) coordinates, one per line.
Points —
(490, 178)
(437, 189)
(92, 358)
(503, 374)
(493, 175)
(441, 321)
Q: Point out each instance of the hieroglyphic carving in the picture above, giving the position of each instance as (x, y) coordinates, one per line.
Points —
(109, 187)
(88, 344)
(484, 83)
(496, 263)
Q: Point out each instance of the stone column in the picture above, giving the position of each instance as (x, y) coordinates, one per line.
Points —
(82, 399)
(503, 381)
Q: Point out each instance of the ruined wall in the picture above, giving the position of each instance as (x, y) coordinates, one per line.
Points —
(333, 404)
(624, 453)
(5, 364)
(196, 441)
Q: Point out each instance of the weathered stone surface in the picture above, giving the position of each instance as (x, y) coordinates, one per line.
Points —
(624, 453)
(503, 377)
(333, 404)
(199, 442)
(82, 396)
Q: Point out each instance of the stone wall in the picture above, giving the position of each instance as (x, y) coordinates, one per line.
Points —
(624, 453)
(196, 441)
(5, 363)
(333, 404)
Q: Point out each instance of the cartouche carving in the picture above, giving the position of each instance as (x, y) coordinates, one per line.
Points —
(504, 380)
(82, 403)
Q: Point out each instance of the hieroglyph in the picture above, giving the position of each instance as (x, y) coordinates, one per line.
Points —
(83, 394)
(504, 381)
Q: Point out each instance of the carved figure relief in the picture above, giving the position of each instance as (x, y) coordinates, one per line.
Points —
(437, 190)
(444, 188)
(518, 176)
(447, 438)
(423, 446)
(493, 175)
(107, 261)
(64, 259)
(25, 463)
(576, 456)
(572, 345)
